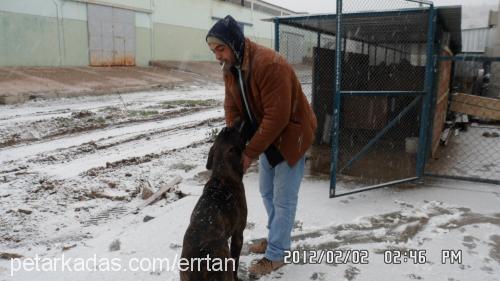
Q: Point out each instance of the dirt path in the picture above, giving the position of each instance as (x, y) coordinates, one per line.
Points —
(83, 161)
(20, 84)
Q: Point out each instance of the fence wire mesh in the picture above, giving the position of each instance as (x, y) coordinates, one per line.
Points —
(468, 145)
(491, 80)
(383, 52)
(379, 6)
(296, 45)
(384, 47)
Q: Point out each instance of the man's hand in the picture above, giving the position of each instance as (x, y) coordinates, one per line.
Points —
(246, 161)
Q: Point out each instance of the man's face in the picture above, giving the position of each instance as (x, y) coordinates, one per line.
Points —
(223, 54)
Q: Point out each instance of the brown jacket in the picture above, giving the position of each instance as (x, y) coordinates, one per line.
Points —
(277, 102)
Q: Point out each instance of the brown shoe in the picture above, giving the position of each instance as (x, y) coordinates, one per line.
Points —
(264, 266)
(258, 247)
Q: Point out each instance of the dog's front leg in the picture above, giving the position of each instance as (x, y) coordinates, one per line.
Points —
(236, 245)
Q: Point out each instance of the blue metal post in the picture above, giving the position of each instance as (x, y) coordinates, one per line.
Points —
(336, 101)
(319, 40)
(429, 77)
(276, 35)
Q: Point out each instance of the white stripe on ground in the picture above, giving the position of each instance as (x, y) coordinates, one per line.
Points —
(22, 151)
(173, 140)
(40, 110)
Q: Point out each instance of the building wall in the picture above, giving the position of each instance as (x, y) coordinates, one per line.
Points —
(139, 5)
(143, 50)
(496, 47)
(494, 86)
(55, 32)
(25, 44)
(177, 37)
(43, 33)
(476, 40)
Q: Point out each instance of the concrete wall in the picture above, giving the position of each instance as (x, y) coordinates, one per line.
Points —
(178, 37)
(143, 50)
(25, 44)
(139, 5)
(55, 32)
(37, 34)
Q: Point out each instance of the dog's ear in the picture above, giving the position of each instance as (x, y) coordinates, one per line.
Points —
(210, 159)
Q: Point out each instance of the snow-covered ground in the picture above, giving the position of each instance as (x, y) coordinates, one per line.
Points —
(73, 195)
(471, 153)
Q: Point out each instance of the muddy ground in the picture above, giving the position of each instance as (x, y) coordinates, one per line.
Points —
(66, 163)
(20, 84)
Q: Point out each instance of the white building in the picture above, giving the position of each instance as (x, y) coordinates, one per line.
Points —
(121, 32)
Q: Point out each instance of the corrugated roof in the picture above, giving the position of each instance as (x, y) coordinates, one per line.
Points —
(383, 27)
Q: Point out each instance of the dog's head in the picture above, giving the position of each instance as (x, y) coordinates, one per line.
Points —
(226, 151)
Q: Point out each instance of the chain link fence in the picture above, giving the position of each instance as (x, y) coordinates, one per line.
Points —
(395, 96)
(383, 73)
(297, 45)
(383, 78)
(468, 147)
(491, 80)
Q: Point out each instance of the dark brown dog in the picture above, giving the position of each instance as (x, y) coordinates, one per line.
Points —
(220, 214)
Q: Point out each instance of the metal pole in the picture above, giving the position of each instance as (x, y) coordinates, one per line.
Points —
(336, 103)
(276, 35)
(429, 76)
(383, 185)
(472, 179)
(421, 2)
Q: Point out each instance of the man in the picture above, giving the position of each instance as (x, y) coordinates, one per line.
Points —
(262, 88)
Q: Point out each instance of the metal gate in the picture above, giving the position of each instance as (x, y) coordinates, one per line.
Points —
(373, 97)
(111, 36)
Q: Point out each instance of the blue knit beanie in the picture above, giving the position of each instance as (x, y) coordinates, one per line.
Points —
(228, 31)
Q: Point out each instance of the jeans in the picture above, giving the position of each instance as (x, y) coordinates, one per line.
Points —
(279, 187)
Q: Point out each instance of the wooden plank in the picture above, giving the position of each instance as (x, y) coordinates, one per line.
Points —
(442, 101)
(439, 122)
(443, 97)
(490, 103)
(477, 106)
(160, 192)
(477, 111)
